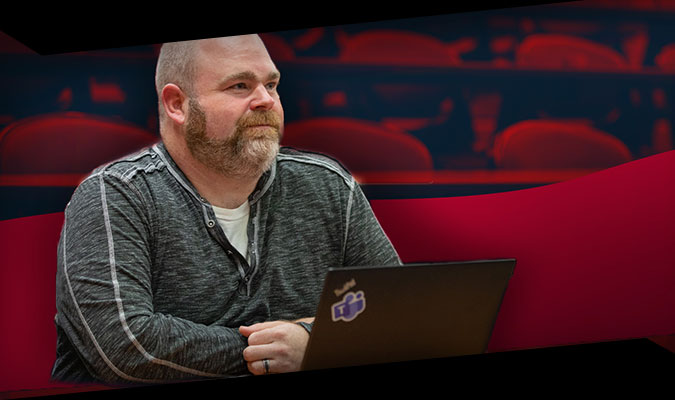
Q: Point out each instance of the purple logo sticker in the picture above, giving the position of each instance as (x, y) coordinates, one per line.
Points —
(350, 307)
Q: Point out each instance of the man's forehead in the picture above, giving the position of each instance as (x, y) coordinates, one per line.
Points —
(232, 45)
(235, 54)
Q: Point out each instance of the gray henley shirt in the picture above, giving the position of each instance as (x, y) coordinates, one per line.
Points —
(148, 289)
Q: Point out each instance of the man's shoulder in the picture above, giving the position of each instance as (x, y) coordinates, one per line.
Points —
(126, 168)
(306, 161)
(115, 176)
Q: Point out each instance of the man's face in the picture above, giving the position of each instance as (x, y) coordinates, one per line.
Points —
(235, 118)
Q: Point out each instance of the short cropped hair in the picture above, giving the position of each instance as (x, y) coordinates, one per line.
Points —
(176, 64)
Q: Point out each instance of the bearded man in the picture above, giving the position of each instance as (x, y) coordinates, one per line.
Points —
(204, 255)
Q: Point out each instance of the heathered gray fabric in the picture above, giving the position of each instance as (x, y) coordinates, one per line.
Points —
(149, 290)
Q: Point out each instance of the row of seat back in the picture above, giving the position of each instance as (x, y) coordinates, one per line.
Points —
(401, 48)
(538, 50)
(77, 143)
(67, 143)
(548, 144)
(567, 52)
(360, 145)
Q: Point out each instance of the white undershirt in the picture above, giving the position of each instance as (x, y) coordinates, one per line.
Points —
(234, 223)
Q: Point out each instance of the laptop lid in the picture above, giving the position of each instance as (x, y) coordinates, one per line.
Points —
(382, 314)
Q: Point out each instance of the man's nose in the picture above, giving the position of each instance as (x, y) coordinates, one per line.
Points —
(262, 99)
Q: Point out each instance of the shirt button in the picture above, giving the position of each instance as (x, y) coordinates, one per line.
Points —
(211, 224)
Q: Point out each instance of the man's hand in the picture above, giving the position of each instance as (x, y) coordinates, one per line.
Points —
(282, 343)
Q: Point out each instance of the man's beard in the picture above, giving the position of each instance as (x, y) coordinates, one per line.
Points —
(247, 153)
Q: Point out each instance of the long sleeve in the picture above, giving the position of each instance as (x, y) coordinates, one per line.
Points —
(105, 296)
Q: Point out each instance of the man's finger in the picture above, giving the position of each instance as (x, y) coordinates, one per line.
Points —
(258, 352)
(258, 367)
(248, 330)
(267, 336)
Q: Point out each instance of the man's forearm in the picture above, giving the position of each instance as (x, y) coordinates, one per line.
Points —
(155, 348)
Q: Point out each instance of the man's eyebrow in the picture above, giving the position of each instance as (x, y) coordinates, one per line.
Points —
(250, 76)
(274, 76)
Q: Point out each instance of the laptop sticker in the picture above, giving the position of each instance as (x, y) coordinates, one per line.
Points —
(351, 305)
(345, 287)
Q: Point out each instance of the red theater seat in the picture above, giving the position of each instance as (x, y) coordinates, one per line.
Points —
(64, 143)
(567, 52)
(595, 259)
(549, 144)
(277, 47)
(393, 47)
(665, 60)
(359, 145)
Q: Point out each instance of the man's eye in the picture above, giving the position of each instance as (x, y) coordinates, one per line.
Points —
(239, 86)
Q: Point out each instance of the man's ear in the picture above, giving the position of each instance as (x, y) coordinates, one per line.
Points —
(175, 103)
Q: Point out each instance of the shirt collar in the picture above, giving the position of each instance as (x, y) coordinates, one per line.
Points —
(261, 188)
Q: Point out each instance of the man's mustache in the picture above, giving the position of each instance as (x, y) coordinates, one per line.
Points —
(258, 118)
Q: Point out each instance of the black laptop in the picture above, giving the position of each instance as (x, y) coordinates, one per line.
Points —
(370, 315)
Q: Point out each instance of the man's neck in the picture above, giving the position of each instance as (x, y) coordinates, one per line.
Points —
(217, 189)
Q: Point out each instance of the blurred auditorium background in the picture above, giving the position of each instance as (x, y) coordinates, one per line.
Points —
(445, 105)
(440, 106)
